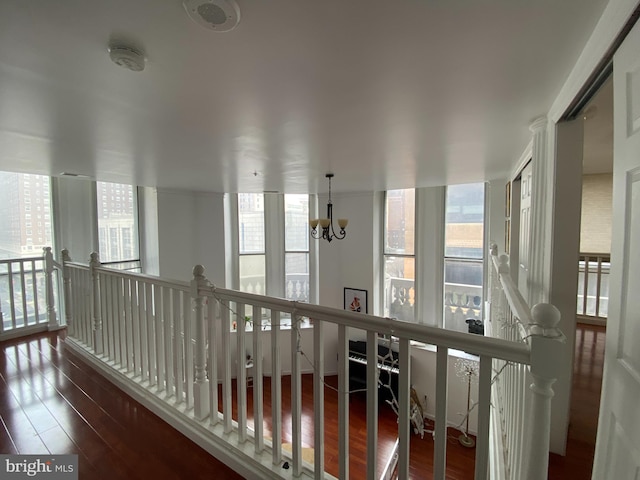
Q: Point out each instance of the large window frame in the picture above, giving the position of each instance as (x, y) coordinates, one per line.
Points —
(464, 253)
(423, 298)
(277, 249)
(116, 209)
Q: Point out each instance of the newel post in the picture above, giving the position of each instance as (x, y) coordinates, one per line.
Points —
(201, 383)
(66, 278)
(95, 295)
(49, 266)
(547, 351)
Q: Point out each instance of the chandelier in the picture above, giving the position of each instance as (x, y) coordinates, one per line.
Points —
(326, 224)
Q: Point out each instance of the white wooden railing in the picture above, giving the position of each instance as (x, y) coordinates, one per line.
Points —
(169, 344)
(27, 295)
(593, 286)
(522, 393)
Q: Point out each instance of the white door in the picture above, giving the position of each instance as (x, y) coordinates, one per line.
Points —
(618, 443)
(524, 238)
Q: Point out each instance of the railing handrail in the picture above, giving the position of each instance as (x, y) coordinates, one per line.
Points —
(592, 254)
(160, 281)
(21, 259)
(494, 347)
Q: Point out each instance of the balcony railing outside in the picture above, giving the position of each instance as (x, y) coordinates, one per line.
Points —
(593, 285)
(27, 299)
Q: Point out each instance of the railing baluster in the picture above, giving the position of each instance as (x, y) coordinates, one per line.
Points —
(23, 295)
(404, 412)
(343, 401)
(276, 389)
(168, 340)
(51, 311)
(11, 295)
(372, 405)
(440, 449)
(177, 346)
(296, 400)
(257, 379)
(318, 399)
(135, 327)
(150, 321)
(213, 311)
(226, 366)
(142, 317)
(241, 370)
(484, 404)
(598, 285)
(159, 338)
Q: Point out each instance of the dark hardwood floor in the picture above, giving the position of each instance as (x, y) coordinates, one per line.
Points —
(51, 402)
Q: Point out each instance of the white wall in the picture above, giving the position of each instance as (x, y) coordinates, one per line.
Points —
(597, 200)
(349, 262)
(75, 223)
(148, 230)
(191, 232)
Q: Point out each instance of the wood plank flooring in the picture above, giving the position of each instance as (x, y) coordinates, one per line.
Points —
(51, 402)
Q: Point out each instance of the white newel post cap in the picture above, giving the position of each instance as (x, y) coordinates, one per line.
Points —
(546, 317)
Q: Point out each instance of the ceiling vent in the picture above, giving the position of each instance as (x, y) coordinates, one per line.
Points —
(127, 57)
(216, 15)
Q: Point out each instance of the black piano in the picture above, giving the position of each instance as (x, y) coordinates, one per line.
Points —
(387, 368)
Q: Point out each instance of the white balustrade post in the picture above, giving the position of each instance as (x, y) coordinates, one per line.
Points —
(547, 351)
(95, 294)
(49, 266)
(201, 383)
(66, 277)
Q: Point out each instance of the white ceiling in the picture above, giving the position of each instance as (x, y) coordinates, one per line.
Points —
(385, 94)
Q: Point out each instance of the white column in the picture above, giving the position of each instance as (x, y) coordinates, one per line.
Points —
(540, 219)
(97, 318)
(201, 383)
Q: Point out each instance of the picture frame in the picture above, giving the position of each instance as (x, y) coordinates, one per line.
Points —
(355, 300)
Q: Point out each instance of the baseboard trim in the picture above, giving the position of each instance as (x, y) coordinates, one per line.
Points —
(224, 447)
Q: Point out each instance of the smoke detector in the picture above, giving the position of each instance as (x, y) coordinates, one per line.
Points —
(216, 15)
(127, 57)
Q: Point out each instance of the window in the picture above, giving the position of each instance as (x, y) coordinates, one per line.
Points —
(463, 255)
(251, 243)
(273, 246)
(399, 254)
(17, 236)
(118, 229)
(296, 246)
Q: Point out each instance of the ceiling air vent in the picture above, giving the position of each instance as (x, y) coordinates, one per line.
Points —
(216, 15)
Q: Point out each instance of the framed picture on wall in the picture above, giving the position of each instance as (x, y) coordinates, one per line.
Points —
(355, 300)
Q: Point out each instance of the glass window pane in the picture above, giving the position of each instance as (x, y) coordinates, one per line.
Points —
(400, 222)
(296, 223)
(464, 234)
(297, 276)
(251, 222)
(117, 222)
(252, 274)
(399, 288)
(16, 190)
